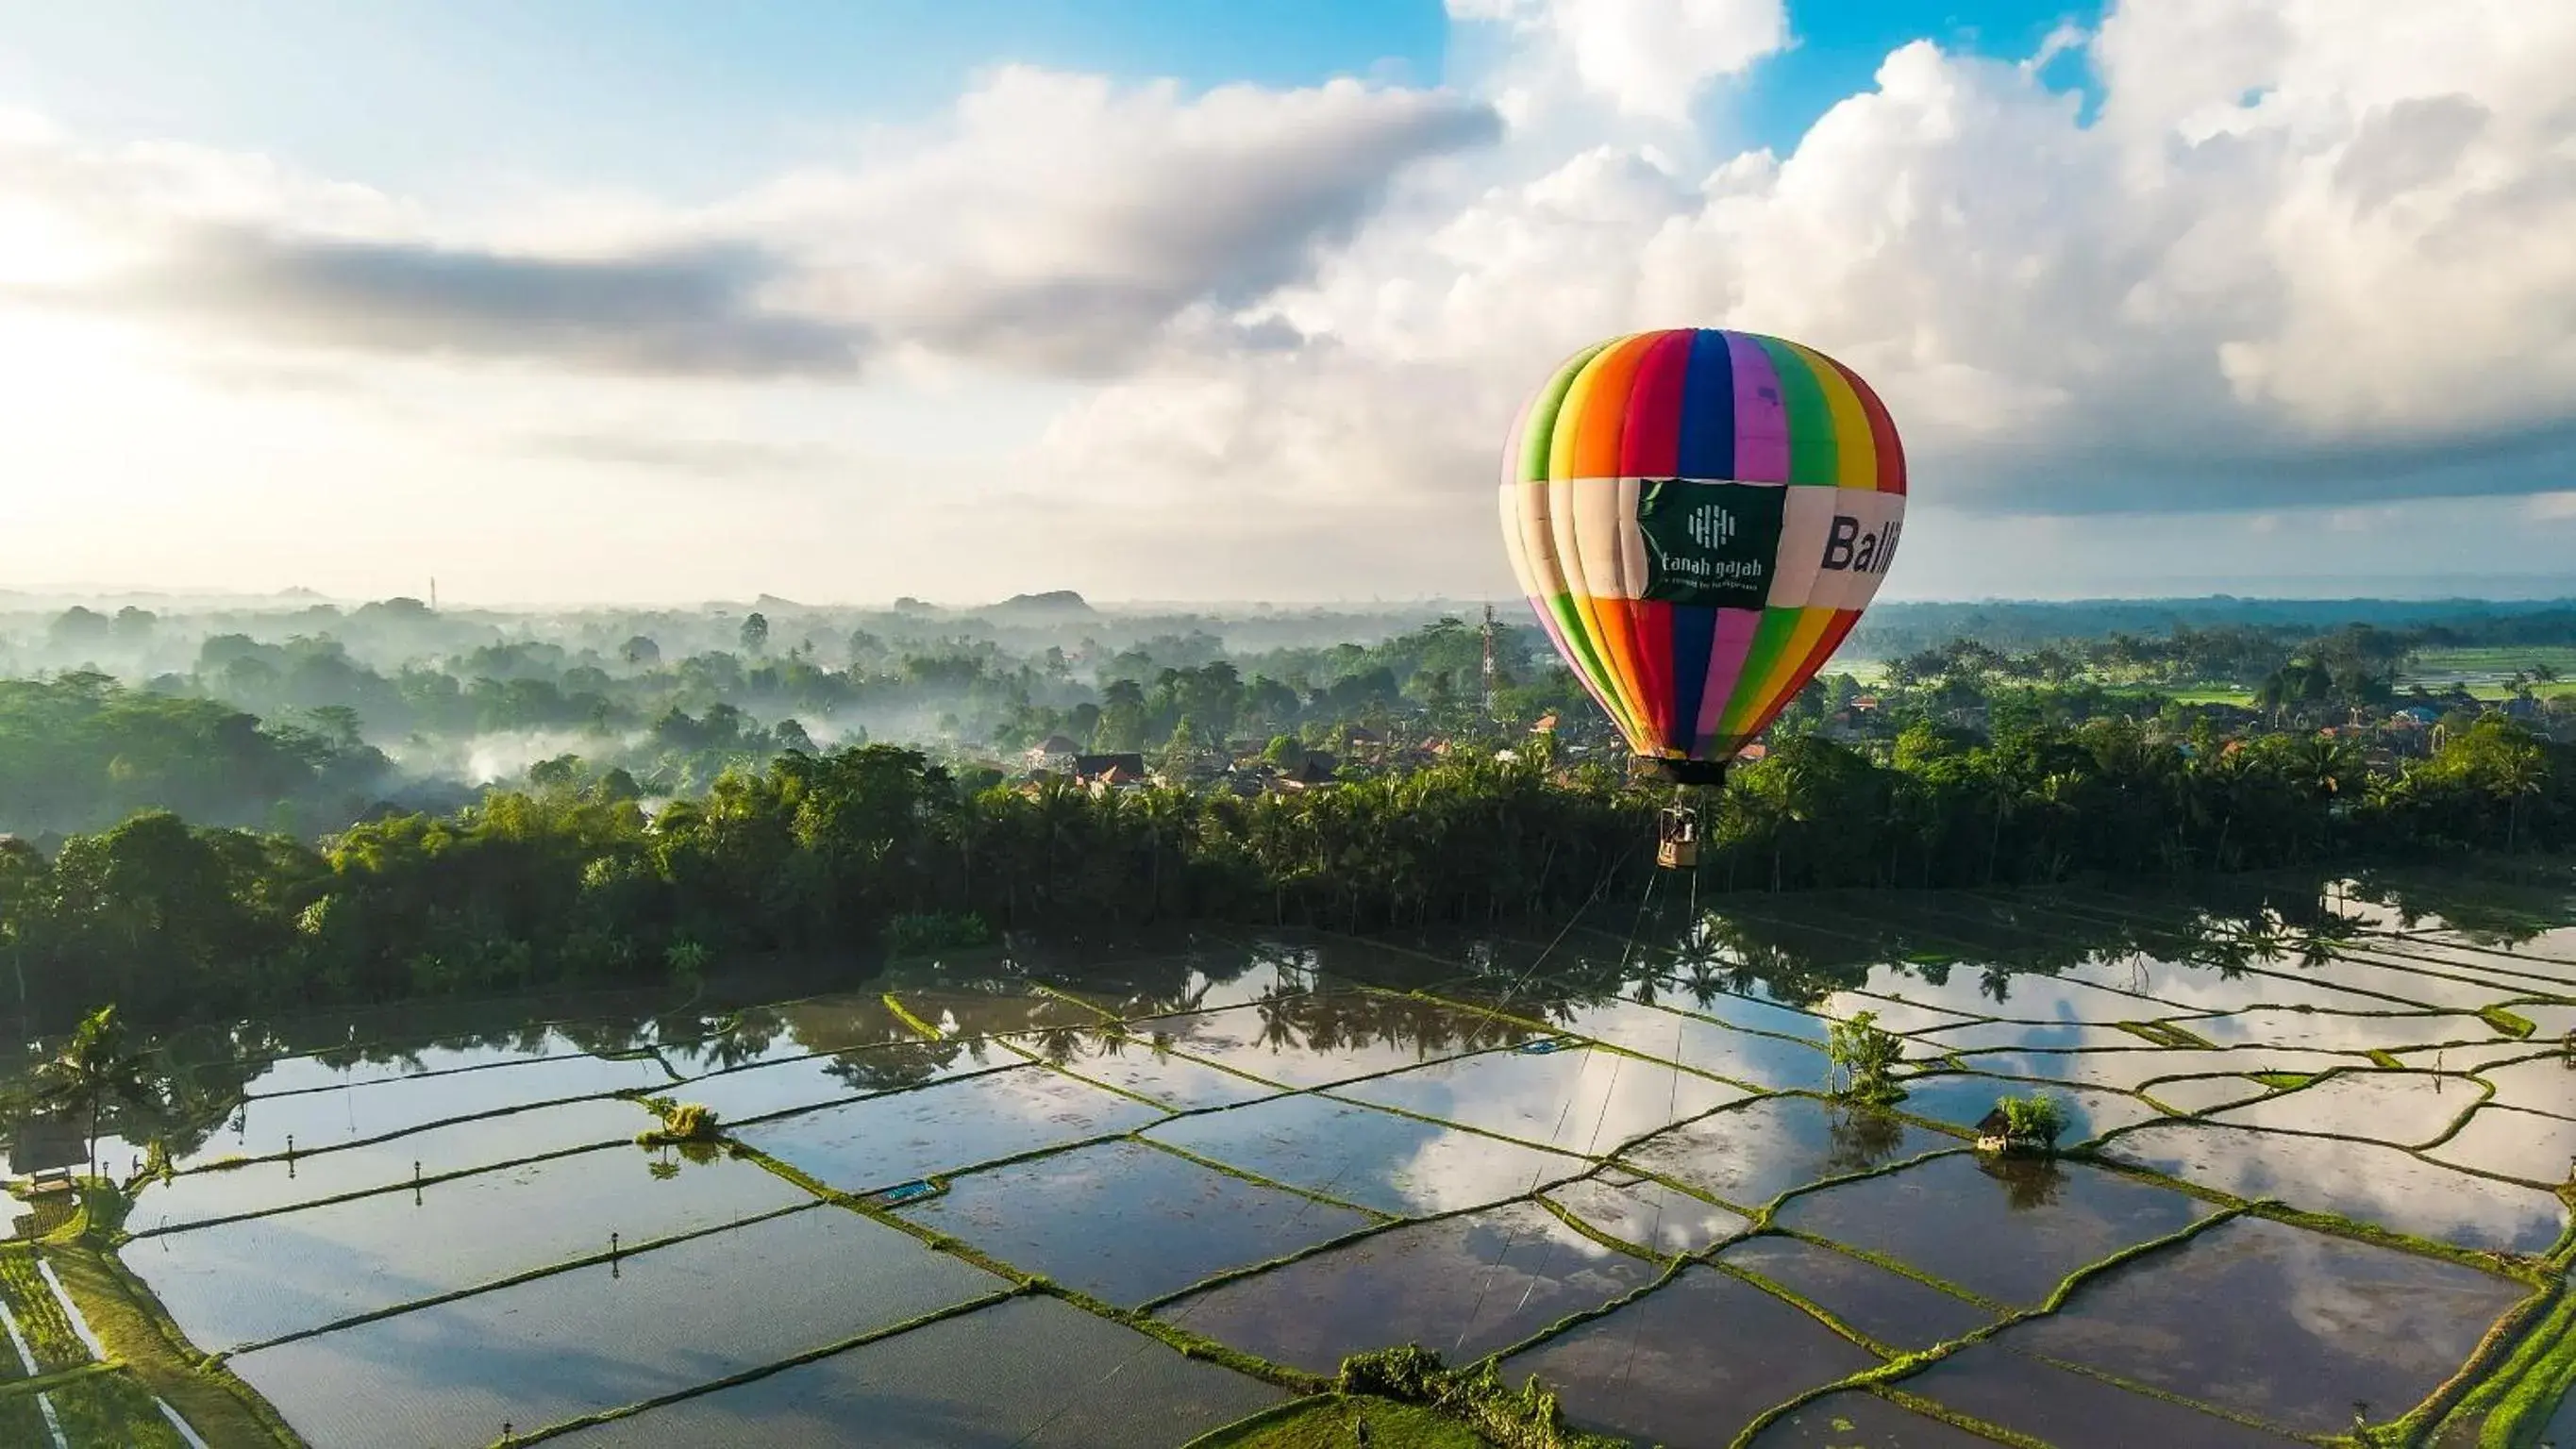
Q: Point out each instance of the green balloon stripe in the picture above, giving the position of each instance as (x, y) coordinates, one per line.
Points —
(1814, 455)
(1770, 637)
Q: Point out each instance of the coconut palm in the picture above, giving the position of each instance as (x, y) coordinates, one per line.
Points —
(92, 1069)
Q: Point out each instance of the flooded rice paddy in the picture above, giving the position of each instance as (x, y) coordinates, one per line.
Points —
(2305, 1176)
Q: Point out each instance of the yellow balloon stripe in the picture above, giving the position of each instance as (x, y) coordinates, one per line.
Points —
(1855, 451)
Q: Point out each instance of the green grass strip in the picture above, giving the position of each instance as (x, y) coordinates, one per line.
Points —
(139, 1334)
(17, 1388)
(2509, 1023)
(903, 1013)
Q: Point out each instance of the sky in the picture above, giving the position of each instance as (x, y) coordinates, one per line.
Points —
(656, 301)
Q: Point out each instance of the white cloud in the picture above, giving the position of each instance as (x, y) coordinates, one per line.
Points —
(2296, 261)
(2294, 264)
(1647, 57)
(1052, 221)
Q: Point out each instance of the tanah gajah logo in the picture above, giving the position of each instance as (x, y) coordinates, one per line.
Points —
(1846, 547)
(1711, 526)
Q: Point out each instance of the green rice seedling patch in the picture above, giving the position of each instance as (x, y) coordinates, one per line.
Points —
(1581, 1099)
(112, 1411)
(1750, 1155)
(1693, 1362)
(51, 1340)
(2508, 1022)
(1128, 1222)
(1462, 1286)
(2008, 1229)
(610, 1334)
(2367, 1181)
(1031, 1371)
(2404, 1325)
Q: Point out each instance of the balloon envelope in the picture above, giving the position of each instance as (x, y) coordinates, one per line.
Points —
(1699, 518)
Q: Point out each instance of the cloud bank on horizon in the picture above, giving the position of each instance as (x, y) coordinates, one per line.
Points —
(2269, 289)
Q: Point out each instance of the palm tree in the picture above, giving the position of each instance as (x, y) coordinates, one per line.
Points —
(93, 1068)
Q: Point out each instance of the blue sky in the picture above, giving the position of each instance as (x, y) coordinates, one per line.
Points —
(1175, 299)
(676, 94)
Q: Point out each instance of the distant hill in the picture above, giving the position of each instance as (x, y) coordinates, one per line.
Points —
(1055, 604)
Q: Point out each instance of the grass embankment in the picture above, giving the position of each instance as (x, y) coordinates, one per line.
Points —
(1332, 1421)
(155, 1359)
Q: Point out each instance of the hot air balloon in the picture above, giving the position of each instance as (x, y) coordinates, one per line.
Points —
(1698, 518)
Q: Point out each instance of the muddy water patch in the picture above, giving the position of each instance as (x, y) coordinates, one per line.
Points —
(1852, 1419)
(1397, 1165)
(1579, 1099)
(1900, 1312)
(259, 1278)
(1690, 1364)
(802, 1082)
(2403, 1109)
(1032, 1373)
(1328, 1037)
(1991, 1382)
(1750, 1154)
(1696, 1042)
(319, 1120)
(596, 1338)
(882, 1141)
(2311, 1324)
(1133, 1064)
(2009, 1229)
(254, 1187)
(1126, 1222)
(1648, 1214)
(1464, 1286)
(2366, 1181)
(2532, 1146)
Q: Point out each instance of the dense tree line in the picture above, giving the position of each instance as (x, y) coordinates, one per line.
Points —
(826, 854)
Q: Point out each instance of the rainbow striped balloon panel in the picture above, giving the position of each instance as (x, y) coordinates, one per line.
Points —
(1698, 518)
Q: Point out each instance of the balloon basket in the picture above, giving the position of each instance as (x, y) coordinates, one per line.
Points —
(1677, 838)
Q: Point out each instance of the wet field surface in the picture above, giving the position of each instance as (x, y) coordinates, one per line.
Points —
(985, 1202)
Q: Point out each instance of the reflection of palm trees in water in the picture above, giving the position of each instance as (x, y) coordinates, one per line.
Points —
(1859, 1138)
(2028, 1182)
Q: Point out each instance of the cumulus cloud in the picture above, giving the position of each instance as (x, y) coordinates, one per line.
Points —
(2280, 262)
(1646, 57)
(1052, 222)
(2292, 261)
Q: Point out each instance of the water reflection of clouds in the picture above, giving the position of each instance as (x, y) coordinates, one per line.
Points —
(2406, 1109)
(1578, 1099)
(2362, 1180)
(1397, 1165)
